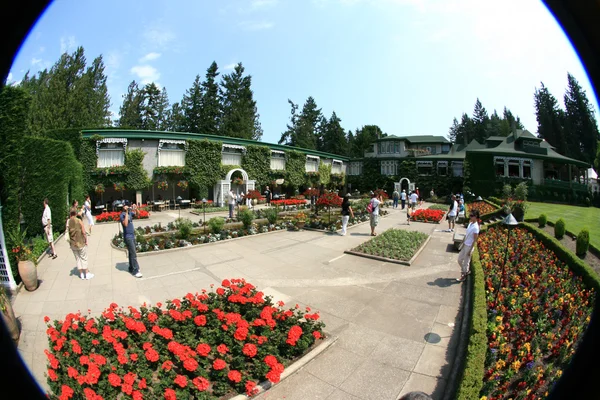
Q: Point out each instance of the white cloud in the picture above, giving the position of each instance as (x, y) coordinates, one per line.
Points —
(35, 61)
(149, 57)
(9, 77)
(146, 73)
(255, 26)
(264, 3)
(230, 66)
(159, 36)
(67, 44)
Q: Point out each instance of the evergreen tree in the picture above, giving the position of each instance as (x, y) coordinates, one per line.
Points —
(240, 117)
(334, 137)
(351, 139)
(303, 130)
(130, 112)
(210, 112)
(580, 123)
(480, 121)
(150, 104)
(453, 131)
(176, 121)
(164, 111)
(550, 119)
(513, 122)
(191, 105)
(364, 139)
(494, 125)
(92, 97)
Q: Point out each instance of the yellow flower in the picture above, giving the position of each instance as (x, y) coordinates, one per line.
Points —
(498, 318)
(513, 302)
(558, 373)
(516, 365)
(483, 398)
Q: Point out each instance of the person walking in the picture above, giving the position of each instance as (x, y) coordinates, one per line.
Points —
(374, 216)
(268, 195)
(418, 195)
(126, 218)
(408, 214)
(231, 202)
(403, 198)
(469, 243)
(452, 212)
(395, 197)
(87, 212)
(47, 224)
(346, 213)
(78, 241)
(414, 199)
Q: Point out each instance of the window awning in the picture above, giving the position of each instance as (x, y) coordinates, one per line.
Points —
(278, 152)
(162, 142)
(313, 157)
(424, 163)
(110, 140)
(337, 161)
(442, 163)
(234, 147)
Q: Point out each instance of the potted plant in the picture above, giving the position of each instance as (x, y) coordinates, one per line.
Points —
(254, 195)
(183, 185)
(300, 220)
(163, 185)
(25, 260)
(238, 181)
(99, 188)
(8, 315)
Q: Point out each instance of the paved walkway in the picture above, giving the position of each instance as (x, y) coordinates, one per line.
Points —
(394, 323)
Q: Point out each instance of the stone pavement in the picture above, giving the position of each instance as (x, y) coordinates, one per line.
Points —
(395, 324)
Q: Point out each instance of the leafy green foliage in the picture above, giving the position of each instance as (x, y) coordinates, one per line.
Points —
(324, 173)
(216, 224)
(443, 207)
(397, 244)
(184, 226)
(204, 160)
(270, 214)
(542, 220)
(559, 229)
(583, 242)
(295, 163)
(257, 163)
(246, 216)
(301, 130)
(137, 178)
(521, 191)
(240, 116)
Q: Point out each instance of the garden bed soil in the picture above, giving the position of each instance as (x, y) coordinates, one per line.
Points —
(590, 259)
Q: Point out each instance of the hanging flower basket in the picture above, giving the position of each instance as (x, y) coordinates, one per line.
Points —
(119, 186)
(163, 185)
(238, 181)
(183, 185)
(99, 188)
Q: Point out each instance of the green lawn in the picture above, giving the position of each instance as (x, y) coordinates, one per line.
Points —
(575, 217)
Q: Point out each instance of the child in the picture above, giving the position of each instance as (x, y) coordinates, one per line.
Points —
(408, 214)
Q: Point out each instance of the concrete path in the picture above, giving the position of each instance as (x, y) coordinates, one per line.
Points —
(394, 323)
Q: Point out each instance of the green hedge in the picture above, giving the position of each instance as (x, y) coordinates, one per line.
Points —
(471, 381)
(324, 174)
(257, 163)
(295, 166)
(89, 162)
(203, 158)
(137, 178)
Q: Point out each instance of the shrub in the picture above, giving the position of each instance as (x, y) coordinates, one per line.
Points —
(507, 191)
(184, 226)
(521, 191)
(271, 215)
(559, 229)
(583, 242)
(216, 224)
(542, 220)
(246, 216)
(443, 207)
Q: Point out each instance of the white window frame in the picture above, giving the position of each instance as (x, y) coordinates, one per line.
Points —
(112, 145)
(424, 164)
(168, 146)
(312, 163)
(277, 160)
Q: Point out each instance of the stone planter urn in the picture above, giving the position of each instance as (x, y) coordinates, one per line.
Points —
(254, 201)
(8, 315)
(28, 273)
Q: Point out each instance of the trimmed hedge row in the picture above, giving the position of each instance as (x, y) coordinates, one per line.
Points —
(471, 380)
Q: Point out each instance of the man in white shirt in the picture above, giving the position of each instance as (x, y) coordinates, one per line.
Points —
(414, 198)
(452, 212)
(231, 197)
(403, 198)
(469, 243)
(374, 217)
(47, 224)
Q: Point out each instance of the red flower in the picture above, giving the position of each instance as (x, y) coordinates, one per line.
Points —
(46, 319)
(219, 364)
(114, 379)
(170, 394)
(137, 395)
(133, 357)
(241, 333)
(317, 335)
(249, 349)
(152, 355)
(200, 320)
(251, 388)
(66, 392)
(203, 349)
(181, 381)
(167, 365)
(234, 376)
(271, 361)
(52, 375)
(293, 335)
(225, 283)
(72, 372)
(220, 291)
(273, 376)
(222, 349)
(201, 383)
(190, 364)
(142, 383)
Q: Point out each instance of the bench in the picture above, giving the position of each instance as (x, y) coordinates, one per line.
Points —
(458, 238)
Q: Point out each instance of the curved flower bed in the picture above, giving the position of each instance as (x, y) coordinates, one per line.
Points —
(536, 314)
(170, 240)
(288, 202)
(427, 215)
(114, 216)
(203, 346)
(482, 206)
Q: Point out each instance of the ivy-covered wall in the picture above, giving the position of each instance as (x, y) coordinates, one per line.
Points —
(324, 174)
(137, 177)
(295, 166)
(203, 160)
(89, 161)
(257, 163)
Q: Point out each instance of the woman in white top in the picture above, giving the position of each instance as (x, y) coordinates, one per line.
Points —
(469, 243)
(87, 211)
(452, 214)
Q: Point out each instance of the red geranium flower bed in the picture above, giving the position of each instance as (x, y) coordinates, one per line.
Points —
(288, 202)
(204, 346)
(536, 314)
(114, 216)
(427, 215)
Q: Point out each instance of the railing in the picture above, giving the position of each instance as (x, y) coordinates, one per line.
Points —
(565, 184)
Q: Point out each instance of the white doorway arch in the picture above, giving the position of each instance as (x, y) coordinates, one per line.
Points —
(398, 185)
(223, 186)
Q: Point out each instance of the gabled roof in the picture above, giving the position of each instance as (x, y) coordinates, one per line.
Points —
(416, 139)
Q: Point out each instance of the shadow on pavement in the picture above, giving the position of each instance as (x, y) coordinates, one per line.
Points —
(450, 248)
(444, 282)
(123, 266)
(360, 234)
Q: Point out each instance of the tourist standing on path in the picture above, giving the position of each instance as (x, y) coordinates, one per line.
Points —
(346, 213)
(374, 217)
(469, 243)
(432, 193)
(126, 218)
(231, 202)
(396, 197)
(47, 224)
(403, 198)
(414, 199)
(452, 212)
(87, 211)
(268, 195)
(418, 195)
(78, 241)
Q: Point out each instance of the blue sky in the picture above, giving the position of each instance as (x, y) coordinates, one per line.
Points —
(409, 66)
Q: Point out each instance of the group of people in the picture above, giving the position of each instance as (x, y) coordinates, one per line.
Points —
(77, 235)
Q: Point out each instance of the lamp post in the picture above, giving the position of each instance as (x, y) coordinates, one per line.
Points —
(204, 201)
(510, 221)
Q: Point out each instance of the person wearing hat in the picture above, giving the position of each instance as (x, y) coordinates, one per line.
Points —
(126, 218)
(403, 198)
(346, 213)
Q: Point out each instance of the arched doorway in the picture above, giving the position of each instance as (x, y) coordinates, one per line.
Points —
(404, 184)
(223, 186)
